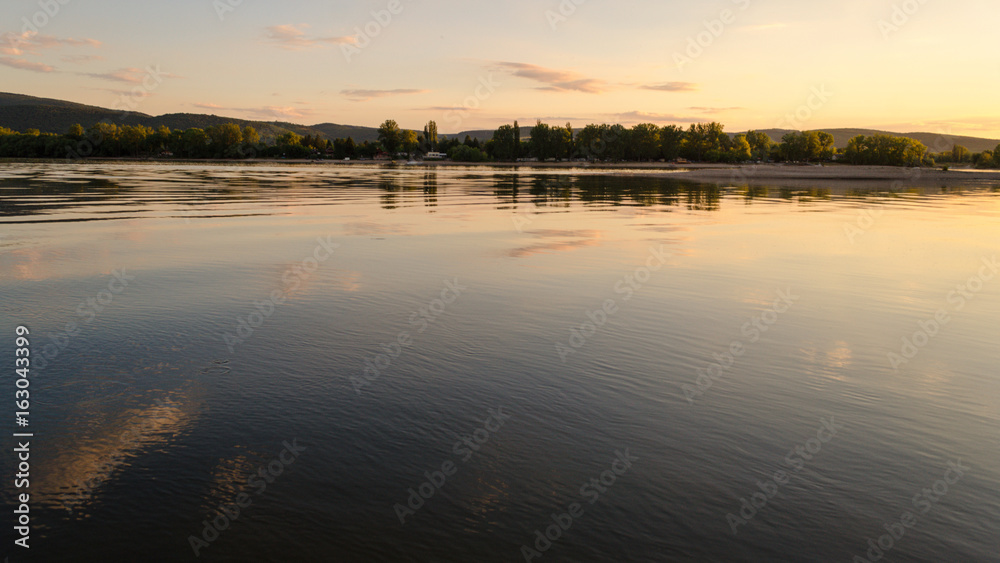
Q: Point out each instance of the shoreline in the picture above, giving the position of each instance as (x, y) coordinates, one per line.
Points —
(742, 173)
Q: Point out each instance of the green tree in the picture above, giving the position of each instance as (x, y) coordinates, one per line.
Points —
(289, 139)
(408, 141)
(705, 141)
(431, 135)
(390, 136)
(517, 140)
(561, 140)
(794, 146)
(541, 144)
(195, 143)
(105, 138)
(589, 142)
(133, 137)
(464, 153)
(760, 144)
(671, 141)
(806, 146)
(645, 140)
(739, 149)
(251, 136)
(960, 154)
(885, 150)
(825, 148)
(617, 138)
(225, 136)
(505, 143)
(160, 140)
(76, 132)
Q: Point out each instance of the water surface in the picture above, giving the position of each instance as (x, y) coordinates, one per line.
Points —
(224, 314)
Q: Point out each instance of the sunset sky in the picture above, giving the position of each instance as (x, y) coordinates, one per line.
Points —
(476, 65)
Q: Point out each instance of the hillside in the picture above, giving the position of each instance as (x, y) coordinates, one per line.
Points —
(20, 112)
(935, 141)
(487, 134)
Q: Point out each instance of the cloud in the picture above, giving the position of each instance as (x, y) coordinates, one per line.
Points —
(642, 117)
(25, 65)
(446, 108)
(272, 113)
(714, 110)
(365, 95)
(556, 80)
(275, 112)
(671, 87)
(290, 37)
(32, 42)
(81, 59)
(133, 93)
(566, 241)
(127, 75)
(556, 118)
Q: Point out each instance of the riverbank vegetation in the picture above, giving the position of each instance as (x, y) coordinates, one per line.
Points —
(645, 142)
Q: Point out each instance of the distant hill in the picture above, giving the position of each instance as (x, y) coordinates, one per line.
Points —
(487, 134)
(931, 140)
(20, 112)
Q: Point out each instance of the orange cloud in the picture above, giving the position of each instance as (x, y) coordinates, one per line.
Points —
(290, 37)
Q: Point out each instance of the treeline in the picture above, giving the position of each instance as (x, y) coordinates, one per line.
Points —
(700, 142)
(708, 142)
(227, 141)
(645, 142)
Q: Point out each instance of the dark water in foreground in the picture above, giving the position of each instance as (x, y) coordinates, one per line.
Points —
(354, 334)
